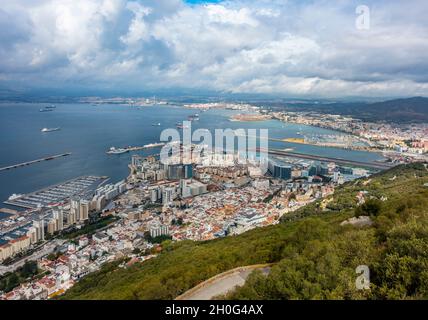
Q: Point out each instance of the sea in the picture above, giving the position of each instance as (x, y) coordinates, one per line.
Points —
(88, 131)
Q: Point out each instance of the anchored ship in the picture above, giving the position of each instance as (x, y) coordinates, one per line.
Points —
(50, 129)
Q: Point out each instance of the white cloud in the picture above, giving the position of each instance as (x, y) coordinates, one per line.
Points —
(279, 47)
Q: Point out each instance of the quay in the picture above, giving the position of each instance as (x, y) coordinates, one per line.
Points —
(15, 166)
(146, 147)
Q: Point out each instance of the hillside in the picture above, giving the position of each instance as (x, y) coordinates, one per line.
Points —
(410, 110)
(315, 256)
(399, 110)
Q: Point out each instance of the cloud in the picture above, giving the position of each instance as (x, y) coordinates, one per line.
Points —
(289, 48)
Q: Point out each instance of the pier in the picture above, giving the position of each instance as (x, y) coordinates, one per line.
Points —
(19, 165)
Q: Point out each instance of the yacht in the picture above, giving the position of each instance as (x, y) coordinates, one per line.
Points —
(50, 129)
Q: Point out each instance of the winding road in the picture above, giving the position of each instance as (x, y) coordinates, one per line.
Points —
(222, 283)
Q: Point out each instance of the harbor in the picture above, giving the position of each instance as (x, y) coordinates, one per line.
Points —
(57, 193)
(23, 164)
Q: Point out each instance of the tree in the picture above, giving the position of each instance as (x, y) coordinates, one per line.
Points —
(371, 207)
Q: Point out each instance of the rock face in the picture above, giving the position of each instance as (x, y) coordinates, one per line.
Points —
(358, 222)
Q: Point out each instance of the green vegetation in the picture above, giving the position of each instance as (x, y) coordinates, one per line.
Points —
(11, 280)
(315, 257)
(89, 229)
(158, 239)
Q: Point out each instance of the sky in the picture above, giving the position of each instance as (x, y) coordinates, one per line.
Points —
(275, 47)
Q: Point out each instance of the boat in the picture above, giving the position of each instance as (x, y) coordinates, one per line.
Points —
(154, 145)
(180, 126)
(50, 129)
(14, 197)
(46, 110)
(114, 150)
(156, 124)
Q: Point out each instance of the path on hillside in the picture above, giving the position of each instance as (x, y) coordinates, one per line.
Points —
(222, 283)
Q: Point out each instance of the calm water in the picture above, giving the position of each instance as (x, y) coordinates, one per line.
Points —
(89, 131)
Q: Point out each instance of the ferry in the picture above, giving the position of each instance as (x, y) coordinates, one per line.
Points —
(50, 129)
(114, 150)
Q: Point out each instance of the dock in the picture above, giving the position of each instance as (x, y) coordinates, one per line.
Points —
(19, 165)
(58, 193)
(158, 145)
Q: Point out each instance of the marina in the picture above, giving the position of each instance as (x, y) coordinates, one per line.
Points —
(57, 193)
(23, 164)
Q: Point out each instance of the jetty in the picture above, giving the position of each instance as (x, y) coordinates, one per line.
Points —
(23, 164)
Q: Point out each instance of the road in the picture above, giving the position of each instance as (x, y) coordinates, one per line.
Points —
(221, 284)
(374, 165)
(38, 254)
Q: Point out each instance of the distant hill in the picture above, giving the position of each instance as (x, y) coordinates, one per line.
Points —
(315, 256)
(408, 110)
(400, 110)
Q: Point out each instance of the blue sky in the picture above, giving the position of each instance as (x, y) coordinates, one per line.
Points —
(285, 48)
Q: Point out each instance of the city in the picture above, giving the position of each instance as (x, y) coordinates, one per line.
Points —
(207, 158)
(72, 229)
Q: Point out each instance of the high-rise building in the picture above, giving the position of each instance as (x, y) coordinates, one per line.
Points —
(279, 171)
(70, 218)
(40, 230)
(75, 208)
(58, 215)
(52, 226)
(179, 171)
(84, 210)
(154, 195)
(32, 234)
(168, 195)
